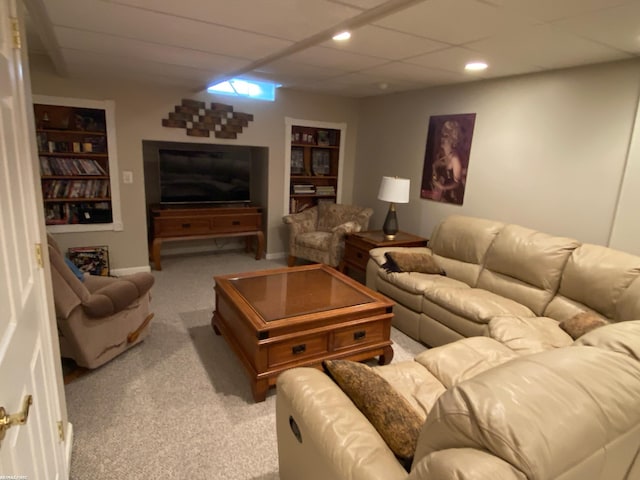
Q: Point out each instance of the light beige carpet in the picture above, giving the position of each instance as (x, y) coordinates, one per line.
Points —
(179, 405)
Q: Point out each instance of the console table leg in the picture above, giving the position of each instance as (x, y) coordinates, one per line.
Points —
(155, 252)
(259, 245)
(386, 357)
(259, 390)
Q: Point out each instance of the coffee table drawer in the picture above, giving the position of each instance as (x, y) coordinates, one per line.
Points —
(297, 349)
(369, 332)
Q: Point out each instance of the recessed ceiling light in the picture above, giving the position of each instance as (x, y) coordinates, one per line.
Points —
(342, 36)
(475, 66)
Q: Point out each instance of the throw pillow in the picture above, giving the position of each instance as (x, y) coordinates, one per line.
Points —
(582, 323)
(412, 262)
(391, 415)
(76, 271)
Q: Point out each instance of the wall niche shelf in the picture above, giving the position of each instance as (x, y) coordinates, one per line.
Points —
(78, 164)
(313, 163)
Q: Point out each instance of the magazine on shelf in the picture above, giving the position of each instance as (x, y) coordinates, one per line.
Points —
(94, 260)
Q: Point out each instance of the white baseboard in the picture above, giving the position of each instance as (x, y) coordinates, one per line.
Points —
(118, 272)
(276, 256)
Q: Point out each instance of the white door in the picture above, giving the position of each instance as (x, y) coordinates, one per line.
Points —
(28, 363)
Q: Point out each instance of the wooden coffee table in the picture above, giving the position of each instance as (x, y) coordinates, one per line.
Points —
(290, 317)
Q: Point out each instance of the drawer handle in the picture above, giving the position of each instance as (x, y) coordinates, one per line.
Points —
(359, 335)
(235, 222)
(296, 349)
(186, 225)
(359, 254)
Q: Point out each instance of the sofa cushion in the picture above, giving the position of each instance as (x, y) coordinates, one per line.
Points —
(459, 244)
(407, 289)
(391, 415)
(597, 277)
(622, 337)
(415, 383)
(474, 304)
(525, 265)
(316, 240)
(412, 262)
(581, 323)
(528, 335)
(455, 362)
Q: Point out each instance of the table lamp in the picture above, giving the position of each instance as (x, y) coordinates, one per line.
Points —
(393, 190)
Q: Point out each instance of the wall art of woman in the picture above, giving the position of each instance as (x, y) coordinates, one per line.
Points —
(447, 157)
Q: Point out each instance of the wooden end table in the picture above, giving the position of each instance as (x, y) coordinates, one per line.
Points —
(357, 246)
(293, 317)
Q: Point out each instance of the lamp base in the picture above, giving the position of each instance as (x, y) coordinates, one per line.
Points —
(390, 227)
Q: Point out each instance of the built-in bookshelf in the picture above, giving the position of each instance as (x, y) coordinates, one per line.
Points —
(78, 168)
(314, 163)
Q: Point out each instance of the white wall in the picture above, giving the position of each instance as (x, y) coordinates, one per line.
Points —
(140, 109)
(549, 150)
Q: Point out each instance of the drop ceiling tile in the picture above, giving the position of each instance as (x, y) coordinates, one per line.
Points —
(85, 64)
(455, 58)
(617, 27)
(288, 19)
(547, 10)
(454, 22)
(364, 4)
(103, 44)
(338, 59)
(548, 48)
(384, 43)
(127, 22)
(297, 69)
(413, 73)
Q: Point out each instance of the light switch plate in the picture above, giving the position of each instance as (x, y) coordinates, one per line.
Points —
(127, 176)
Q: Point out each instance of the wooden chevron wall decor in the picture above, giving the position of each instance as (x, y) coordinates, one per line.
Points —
(199, 121)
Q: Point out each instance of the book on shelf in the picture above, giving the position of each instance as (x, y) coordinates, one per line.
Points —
(325, 190)
(320, 162)
(303, 188)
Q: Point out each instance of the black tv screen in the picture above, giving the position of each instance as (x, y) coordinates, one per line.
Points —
(188, 176)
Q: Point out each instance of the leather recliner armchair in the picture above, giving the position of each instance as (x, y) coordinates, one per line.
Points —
(99, 317)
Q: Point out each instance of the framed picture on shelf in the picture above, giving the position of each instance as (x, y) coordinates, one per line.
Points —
(297, 161)
(94, 260)
(323, 138)
(320, 162)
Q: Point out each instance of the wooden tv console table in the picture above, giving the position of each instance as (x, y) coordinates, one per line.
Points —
(195, 223)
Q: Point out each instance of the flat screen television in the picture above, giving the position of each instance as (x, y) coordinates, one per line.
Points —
(193, 176)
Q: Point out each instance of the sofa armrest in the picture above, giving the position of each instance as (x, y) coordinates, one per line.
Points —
(115, 295)
(463, 464)
(336, 440)
(377, 254)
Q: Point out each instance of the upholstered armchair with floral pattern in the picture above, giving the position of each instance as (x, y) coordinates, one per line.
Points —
(318, 233)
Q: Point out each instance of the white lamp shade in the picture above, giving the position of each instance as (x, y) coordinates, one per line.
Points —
(394, 190)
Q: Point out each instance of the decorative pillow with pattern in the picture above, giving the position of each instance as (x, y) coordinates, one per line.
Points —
(582, 323)
(412, 262)
(390, 413)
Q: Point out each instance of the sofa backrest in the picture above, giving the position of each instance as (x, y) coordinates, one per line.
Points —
(459, 244)
(598, 279)
(563, 414)
(526, 266)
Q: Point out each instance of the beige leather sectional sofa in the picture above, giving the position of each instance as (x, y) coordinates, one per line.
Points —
(526, 281)
(505, 393)
(568, 413)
